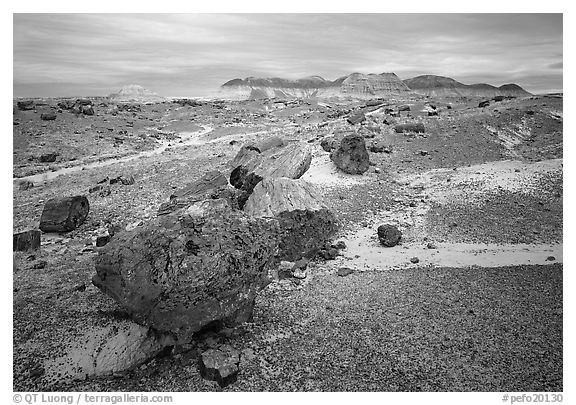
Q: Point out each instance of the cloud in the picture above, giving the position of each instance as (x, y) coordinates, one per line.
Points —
(188, 53)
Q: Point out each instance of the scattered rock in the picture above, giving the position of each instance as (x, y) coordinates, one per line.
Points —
(48, 157)
(64, 214)
(102, 240)
(40, 265)
(339, 245)
(415, 127)
(328, 253)
(183, 271)
(356, 118)
(25, 105)
(51, 116)
(351, 155)
(306, 224)
(344, 271)
(25, 185)
(389, 235)
(220, 365)
(27, 240)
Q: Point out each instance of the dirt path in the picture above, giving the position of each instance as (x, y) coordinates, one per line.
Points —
(187, 138)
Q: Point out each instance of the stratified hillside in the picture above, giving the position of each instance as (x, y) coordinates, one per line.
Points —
(356, 85)
(440, 86)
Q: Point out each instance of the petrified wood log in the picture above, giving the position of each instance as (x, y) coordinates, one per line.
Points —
(64, 214)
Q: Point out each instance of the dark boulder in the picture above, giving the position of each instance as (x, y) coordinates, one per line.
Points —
(484, 103)
(48, 157)
(417, 127)
(389, 235)
(188, 270)
(27, 240)
(50, 116)
(351, 155)
(64, 214)
(306, 224)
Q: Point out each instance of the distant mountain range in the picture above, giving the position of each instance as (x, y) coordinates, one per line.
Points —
(440, 86)
(135, 93)
(359, 85)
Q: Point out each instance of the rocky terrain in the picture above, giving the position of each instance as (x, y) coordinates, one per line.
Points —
(399, 243)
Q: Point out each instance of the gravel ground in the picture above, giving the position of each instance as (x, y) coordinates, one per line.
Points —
(443, 329)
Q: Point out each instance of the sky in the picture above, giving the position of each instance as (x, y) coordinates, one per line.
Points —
(191, 55)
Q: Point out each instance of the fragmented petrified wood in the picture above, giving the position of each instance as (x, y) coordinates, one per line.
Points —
(211, 185)
(179, 273)
(417, 127)
(220, 365)
(306, 224)
(27, 240)
(351, 155)
(64, 214)
(291, 161)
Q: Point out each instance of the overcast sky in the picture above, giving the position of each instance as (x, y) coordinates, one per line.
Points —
(193, 54)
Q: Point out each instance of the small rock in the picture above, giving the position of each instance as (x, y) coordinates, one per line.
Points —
(550, 258)
(344, 271)
(36, 371)
(423, 152)
(389, 235)
(102, 240)
(48, 116)
(48, 157)
(431, 245)
(220, 365)
(80, 287)
(40, 265)
(414, 260)
(328, 254)
(25, 185)
(339, 245)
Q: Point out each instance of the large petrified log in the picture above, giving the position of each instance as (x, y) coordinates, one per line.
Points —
(290, 161)
(182, 272)
(306, 224)
(351, 155)
(27, 240)
(211, 185)
(64, 214)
